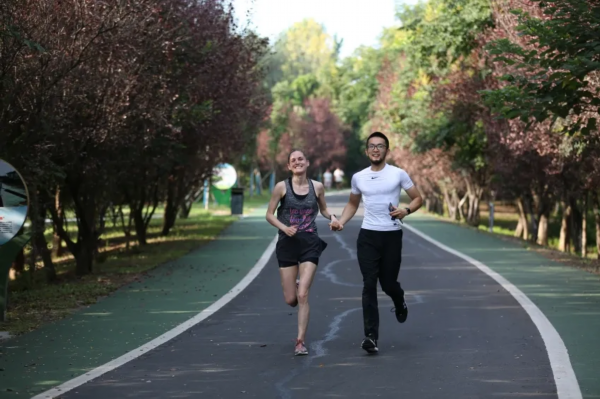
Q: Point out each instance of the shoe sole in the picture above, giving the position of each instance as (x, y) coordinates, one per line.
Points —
(300, 353)
(402, 318)
(370, 350)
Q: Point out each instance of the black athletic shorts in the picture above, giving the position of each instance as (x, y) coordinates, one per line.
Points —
(303, 247)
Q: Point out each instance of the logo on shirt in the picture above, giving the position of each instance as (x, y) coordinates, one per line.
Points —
(374, 177)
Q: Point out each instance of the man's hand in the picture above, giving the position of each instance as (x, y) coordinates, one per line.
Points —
(399, 213)
(291, 231)
(335, 224)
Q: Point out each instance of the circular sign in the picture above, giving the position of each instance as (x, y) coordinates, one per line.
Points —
(224, 176)
(14, 201)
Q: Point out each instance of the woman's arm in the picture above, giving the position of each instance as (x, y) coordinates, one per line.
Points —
(320, 189)
(278, 193)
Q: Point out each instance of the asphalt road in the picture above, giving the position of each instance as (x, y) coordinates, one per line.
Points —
(465, 337)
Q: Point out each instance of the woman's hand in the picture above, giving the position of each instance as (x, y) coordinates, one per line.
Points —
(290, 230)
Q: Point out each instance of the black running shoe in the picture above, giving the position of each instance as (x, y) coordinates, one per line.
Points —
(370, 345)
(401, 312)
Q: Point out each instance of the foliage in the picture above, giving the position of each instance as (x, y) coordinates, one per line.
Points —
(554, 68)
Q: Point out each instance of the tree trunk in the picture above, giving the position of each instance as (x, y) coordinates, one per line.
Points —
(126, 227)
(57, 249)
(532, 218)
(523, 225)
(563, 241)
(451, 204)
(170, 209)
(542, 234)
(84, 257)
(461, 212)
(584, 209)
(140, 226)
(575, 224)
(38, 225)
(596, 205)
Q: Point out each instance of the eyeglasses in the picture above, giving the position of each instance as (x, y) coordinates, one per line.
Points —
(378, 146)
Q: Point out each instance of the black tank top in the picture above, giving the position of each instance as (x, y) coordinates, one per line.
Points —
(298, 210)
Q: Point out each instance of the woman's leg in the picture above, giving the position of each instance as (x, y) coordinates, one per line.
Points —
(288, 283)
(307, 274)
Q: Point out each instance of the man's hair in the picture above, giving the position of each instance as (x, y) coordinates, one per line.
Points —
(380, 135)
(293, 151)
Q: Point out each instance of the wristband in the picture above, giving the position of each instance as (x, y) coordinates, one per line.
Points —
(407, 210)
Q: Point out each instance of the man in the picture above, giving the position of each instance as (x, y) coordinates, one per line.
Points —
(327, 179)
(338, 176)
(379, 244)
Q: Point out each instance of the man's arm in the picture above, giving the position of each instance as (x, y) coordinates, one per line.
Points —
(348, 212)
(415, 203)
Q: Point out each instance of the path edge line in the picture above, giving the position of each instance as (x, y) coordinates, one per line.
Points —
(565, 379)
(167, 336)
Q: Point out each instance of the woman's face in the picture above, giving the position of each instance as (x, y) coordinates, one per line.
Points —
(297, 163)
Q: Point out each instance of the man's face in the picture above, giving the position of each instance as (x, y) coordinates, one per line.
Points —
(376, 150)
(298, 163)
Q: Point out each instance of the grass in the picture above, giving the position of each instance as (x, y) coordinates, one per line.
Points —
(506, 220)
(505, 223)
(33, 302)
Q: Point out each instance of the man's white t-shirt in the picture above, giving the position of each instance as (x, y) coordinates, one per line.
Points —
(378, 189)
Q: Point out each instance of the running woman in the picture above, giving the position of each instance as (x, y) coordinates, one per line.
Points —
(299, 246)
(379, 244)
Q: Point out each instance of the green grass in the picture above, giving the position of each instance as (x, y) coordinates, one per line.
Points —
(505, 223)
(34, 302)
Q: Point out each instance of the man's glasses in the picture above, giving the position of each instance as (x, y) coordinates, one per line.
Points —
(380, 147)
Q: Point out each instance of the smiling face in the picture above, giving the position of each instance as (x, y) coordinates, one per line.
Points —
(297, 163)
(376, 150)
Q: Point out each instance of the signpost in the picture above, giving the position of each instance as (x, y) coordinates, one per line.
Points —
(14, 204)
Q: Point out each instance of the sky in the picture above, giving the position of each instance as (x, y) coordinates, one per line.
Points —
(358, 22)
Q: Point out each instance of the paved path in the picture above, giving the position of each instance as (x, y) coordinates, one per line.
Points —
(466, 337)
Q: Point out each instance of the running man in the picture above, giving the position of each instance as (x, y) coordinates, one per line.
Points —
(299, 246)
(379, 244)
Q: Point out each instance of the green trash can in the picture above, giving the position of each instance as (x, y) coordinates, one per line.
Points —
(237, 201)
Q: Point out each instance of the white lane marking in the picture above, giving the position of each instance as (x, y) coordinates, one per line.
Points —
(113, 364)
(567, 386)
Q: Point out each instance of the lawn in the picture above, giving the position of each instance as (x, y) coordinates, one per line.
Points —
(33, 302)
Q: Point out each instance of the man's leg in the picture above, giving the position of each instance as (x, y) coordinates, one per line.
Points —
(307, 274)
(390, 269)
(368, 260)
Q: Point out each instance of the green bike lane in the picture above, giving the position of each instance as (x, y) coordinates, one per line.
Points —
(133, 315)
(569, 297)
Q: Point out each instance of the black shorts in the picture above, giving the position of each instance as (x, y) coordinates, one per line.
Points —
(303, 247)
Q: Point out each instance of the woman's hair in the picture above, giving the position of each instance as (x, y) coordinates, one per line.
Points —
(293, 151)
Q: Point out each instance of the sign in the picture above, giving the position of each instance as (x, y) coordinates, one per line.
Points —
(224, 176)
(14, 202)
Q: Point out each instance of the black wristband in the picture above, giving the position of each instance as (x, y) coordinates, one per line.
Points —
(407, 210)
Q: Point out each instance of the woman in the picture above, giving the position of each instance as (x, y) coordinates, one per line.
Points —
(299, 247)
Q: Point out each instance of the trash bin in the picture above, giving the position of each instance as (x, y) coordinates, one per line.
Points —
(237, 201)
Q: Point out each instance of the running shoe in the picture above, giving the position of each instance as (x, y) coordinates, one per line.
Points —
(300, 349)
(370, 345)
(401, 312)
